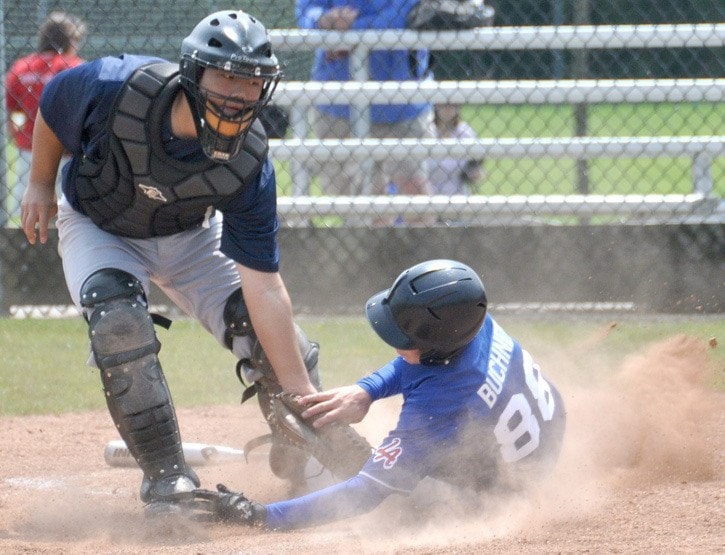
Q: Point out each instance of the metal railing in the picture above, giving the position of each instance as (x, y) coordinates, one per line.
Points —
(360, 93)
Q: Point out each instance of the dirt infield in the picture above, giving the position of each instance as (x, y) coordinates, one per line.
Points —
(642, 471)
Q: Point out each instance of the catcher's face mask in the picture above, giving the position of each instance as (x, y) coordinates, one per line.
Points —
(228, 73)
(227, 104)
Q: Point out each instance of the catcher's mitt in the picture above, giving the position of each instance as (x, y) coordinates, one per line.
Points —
(337, 447)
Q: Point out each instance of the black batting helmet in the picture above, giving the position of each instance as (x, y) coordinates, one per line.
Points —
(234, 42)
(437, 307)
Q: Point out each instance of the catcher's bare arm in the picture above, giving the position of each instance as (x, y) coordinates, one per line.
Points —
(345, 405)
(39, 203)
(271, 313)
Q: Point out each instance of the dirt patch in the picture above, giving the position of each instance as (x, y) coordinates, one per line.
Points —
(642, 471)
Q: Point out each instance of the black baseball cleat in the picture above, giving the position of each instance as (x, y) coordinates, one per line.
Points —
(168, 495)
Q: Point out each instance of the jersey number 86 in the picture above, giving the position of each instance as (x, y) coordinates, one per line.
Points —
(518, 428)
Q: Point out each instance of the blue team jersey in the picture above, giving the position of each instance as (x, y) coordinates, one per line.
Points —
(77, 105)
(490, 406)
(488, 410)
(384, 65)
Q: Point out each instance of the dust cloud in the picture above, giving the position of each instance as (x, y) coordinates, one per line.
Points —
(650, 422)
(639, 436)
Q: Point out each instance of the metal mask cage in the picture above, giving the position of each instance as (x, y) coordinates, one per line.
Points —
(230, 112)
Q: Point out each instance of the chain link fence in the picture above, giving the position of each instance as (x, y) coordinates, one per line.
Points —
(562, 113)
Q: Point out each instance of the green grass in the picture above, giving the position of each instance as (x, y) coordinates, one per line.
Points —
(637, 120)
(44, 370)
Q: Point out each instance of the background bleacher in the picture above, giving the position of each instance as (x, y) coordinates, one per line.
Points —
(661, 252)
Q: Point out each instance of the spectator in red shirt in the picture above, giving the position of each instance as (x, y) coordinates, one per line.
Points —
(59, 39)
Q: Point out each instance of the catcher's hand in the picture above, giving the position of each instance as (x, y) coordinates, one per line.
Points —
(228, 506)
(339, 448)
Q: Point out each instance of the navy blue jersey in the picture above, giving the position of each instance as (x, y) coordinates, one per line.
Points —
(490, 408)
(77, 104)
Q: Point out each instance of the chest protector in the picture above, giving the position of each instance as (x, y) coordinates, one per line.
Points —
(136, 189)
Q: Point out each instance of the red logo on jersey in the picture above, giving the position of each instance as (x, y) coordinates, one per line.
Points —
(388, 453)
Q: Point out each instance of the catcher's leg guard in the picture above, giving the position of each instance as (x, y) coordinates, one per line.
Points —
(286, 461)
(125, 348)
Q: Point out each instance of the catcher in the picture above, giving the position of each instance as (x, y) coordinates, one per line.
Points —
(477, 411)
(159, 151)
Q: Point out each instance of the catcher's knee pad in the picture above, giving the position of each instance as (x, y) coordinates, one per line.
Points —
(236, 318)
(239, 324)
(125, 348)
(119, 325)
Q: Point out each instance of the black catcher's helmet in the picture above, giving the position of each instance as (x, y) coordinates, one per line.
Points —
(235, 42)
(437, 307)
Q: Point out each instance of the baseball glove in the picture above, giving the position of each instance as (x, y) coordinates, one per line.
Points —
(337, 447)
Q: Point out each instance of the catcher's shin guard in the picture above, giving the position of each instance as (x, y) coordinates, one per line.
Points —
(285, 460)
(125, 348)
